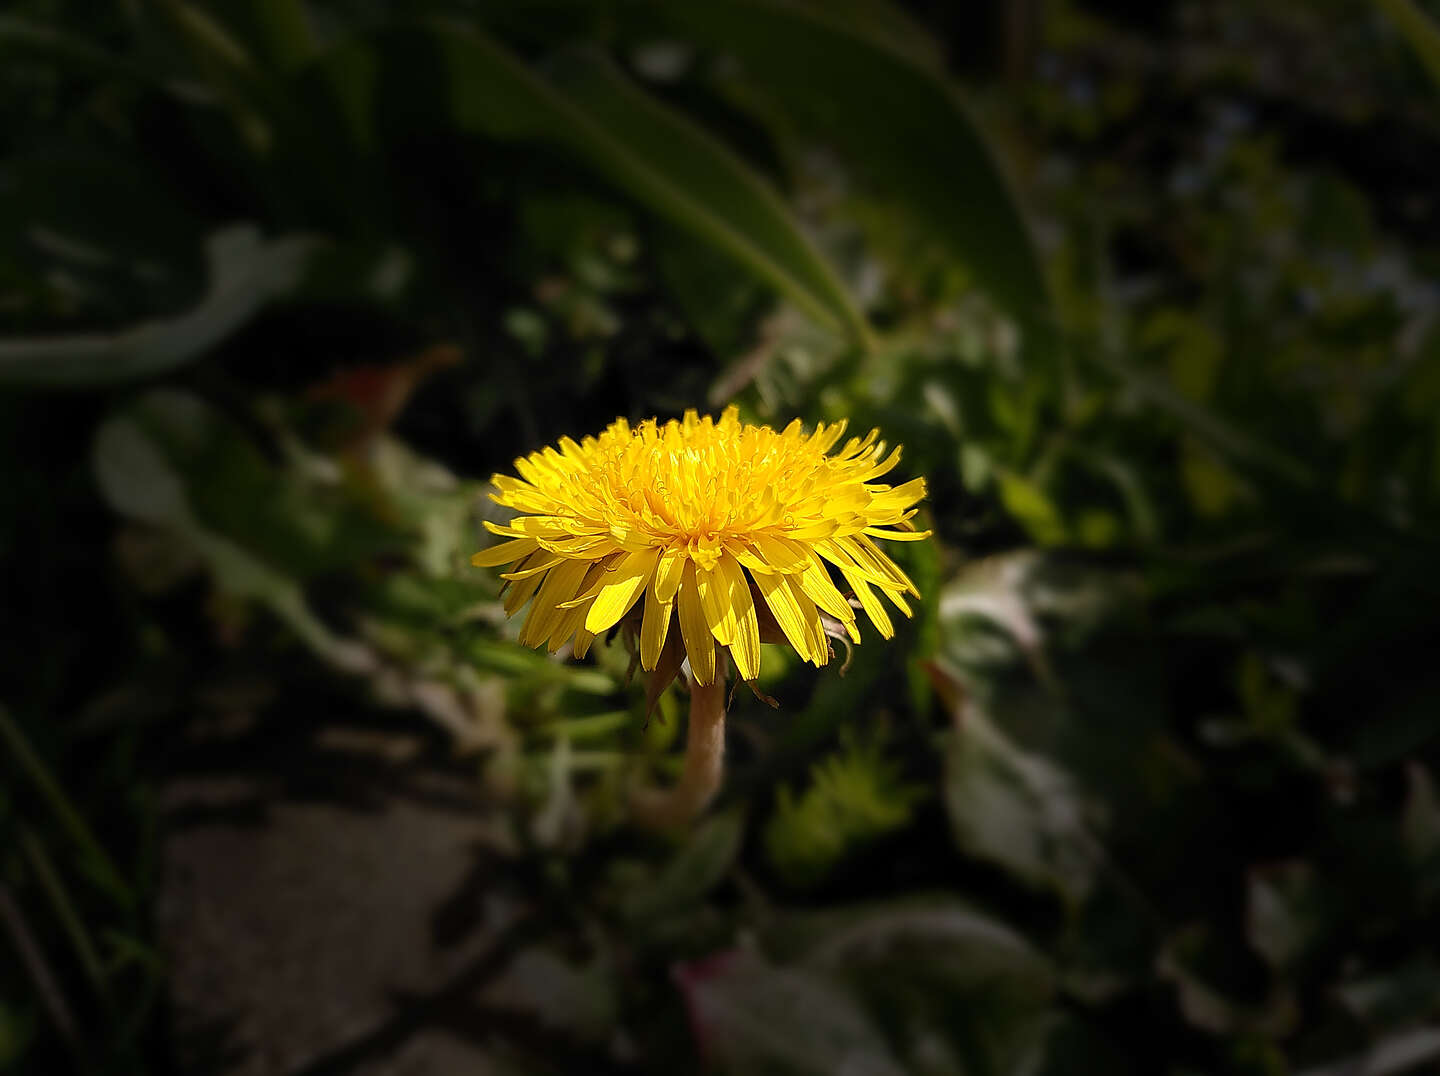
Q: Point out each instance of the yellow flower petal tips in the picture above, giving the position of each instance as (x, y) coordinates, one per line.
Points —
(710, 534)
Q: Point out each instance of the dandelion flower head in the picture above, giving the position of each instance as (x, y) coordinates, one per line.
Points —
(732, 530)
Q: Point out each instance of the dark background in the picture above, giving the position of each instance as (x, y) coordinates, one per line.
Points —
(1146, 290)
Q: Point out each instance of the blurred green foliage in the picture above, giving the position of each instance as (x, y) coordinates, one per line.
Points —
(1148, 783)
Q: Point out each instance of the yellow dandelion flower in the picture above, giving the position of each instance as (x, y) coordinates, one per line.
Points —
(732, 530)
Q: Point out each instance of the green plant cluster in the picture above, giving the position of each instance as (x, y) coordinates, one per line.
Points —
(1149, 782)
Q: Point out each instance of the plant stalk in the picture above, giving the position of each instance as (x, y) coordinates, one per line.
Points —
(677, 806)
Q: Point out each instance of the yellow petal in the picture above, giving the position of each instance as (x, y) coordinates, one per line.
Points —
(535, 566)
(699, 643)
(744, 625)
(789, 604)
(624, 585)
(885, 466)
(869, 602)
(899, 496)
(504, 531)
(565, 626)
(668, 573)
(714, 592)
(819, 588)
(521, 593)
(560, 585)
(750, 560)
(842, 558)
(819, 640)
(869, 555)
(655, 624)
(572, 621)
(897, 536)
(504, 553)
(781, 553)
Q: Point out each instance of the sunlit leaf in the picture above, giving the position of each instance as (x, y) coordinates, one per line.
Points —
(670, 165)
(899, 123)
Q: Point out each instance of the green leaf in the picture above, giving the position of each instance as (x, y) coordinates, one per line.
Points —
(943, 977)
(756, 1017)
(669, 165)
(897, 120)
(574, 1000)
(1283, 914)
(1400, 1052)
(1017, 810)
(19, 37)
(968, 944)
(93, 855)
(64, 907)
(1211, 486)
(1226, 438)
(1404, 995)
(696, 869)
(141, 481)
(1418, 29)
(246, 272)
(719, 303)
(1034, 510)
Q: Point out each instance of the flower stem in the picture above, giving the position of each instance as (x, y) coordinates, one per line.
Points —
(671, 808)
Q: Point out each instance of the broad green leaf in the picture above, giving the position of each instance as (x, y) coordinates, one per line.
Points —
(1418, 30)
(953, 981)
(718, 302)
(668, 164)
(970, 945)
(1016, 809)
(246, 273)
(754, 1016)
(279, 31)
(545, 986)
(897, 120)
